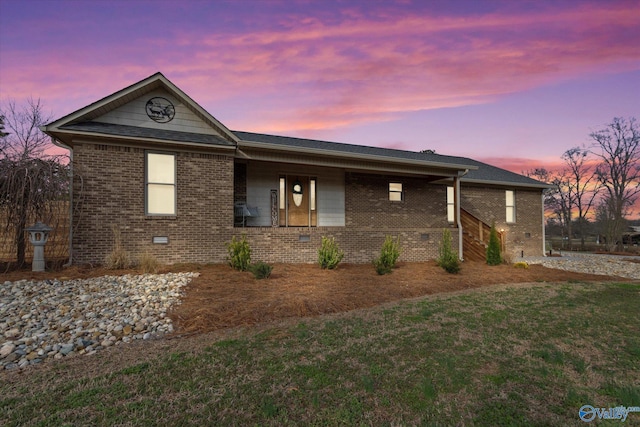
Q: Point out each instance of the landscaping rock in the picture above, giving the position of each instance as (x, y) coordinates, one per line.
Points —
(56, 319)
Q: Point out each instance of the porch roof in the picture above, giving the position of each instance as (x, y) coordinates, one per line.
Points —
(476, 172)
(290, 145)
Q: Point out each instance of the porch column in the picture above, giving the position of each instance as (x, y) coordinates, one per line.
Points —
(456, 189)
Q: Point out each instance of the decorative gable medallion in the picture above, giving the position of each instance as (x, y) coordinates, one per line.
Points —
(160, 109)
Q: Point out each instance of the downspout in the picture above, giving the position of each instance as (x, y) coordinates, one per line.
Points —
(544, 231)
(66, 147)
(458, 221)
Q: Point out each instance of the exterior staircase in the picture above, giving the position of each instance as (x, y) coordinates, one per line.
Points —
(475, 237)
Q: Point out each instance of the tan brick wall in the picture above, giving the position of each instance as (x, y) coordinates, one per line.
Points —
(113, 195)
(489, 204)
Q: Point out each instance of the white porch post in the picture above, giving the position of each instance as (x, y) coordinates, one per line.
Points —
(456, 186)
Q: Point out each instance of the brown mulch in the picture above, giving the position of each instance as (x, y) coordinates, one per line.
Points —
(221, 297)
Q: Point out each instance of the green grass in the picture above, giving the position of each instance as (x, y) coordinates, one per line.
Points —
(520, 356)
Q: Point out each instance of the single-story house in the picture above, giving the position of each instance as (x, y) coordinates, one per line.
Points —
(178, 184)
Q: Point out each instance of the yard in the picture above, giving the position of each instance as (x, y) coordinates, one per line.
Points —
(490, 346)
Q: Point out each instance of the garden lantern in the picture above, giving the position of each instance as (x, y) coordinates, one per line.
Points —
(38, 234)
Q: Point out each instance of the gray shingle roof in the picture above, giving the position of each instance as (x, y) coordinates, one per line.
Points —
(484, 174)
(140, 132)
(330, 147)
(492, 174)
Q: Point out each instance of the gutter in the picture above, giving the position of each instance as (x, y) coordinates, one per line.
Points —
(66, 147)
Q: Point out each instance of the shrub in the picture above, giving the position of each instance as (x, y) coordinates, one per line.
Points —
(261, 270)
(493, 250)
(447, 258)
(118, 258)
(149, 263)
(389, 255)
(521, 264)
(329, 254)
(239, 253)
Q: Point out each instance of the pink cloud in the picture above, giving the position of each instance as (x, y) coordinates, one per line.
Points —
(305, 73)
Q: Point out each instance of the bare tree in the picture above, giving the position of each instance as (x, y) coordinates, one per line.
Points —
(583, 183)
(618, 147)
(558, 200)
(30, 179)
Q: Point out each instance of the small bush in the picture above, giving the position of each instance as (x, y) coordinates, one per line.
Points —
(239, 253)
(149, 263)
(118, 258)
(329, 254)
(261, 270)
(493, 250)
(389, 255)
(521, 264)
(448, 258)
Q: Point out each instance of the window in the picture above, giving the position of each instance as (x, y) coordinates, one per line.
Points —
(451, 205)
(160, 184)
(283, 194)
(312, 194)
(511, 206)
(395, 191)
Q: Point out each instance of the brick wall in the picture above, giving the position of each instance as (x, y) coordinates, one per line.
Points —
(489, 205)
(113, 195)
(360, 245)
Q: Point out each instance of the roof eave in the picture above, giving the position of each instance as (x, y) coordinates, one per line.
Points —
(541, 186)
(57, 133)
(329, 153)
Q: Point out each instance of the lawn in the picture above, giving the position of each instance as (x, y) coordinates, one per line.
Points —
(529, 354)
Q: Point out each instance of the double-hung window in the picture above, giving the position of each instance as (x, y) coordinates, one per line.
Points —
(160, 183)
(395, 192)
(511, 206)
(451, 205)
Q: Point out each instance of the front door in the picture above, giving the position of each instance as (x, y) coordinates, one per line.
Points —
(298, 201)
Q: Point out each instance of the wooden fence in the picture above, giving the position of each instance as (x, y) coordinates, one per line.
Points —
(57, 247)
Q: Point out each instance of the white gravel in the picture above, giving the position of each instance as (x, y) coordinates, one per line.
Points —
(608, 265)
(56, 319)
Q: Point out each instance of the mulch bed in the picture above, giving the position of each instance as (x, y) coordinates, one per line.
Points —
(222, 297)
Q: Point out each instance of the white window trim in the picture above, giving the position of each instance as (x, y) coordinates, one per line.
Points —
(401, 192)
(510, 208)
(451, 204)
(147, 183)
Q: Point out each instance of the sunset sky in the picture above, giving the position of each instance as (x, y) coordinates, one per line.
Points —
(513, 83)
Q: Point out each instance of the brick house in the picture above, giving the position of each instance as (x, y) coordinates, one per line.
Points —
(178, 184)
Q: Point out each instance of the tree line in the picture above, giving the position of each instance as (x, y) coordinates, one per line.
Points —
(598, 181)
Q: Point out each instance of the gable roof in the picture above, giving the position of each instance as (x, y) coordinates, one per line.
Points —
(68, 125)
(82, 123)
